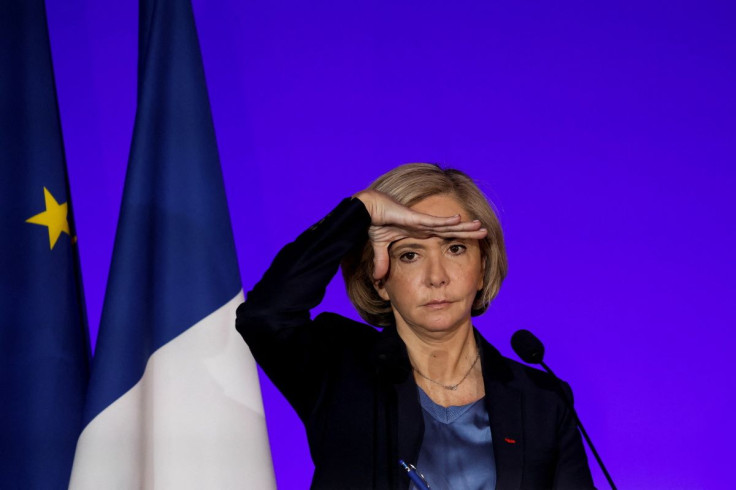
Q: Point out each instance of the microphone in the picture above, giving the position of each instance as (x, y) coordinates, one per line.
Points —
(528, 347)
(531, 350)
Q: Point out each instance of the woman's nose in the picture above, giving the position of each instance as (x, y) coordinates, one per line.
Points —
(436, 273)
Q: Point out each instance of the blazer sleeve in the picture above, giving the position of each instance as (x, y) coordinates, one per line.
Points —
(293, 350)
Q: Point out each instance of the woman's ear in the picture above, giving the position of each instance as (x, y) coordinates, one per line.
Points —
(380, 286)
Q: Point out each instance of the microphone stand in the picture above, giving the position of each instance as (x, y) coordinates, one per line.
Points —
(582, 429)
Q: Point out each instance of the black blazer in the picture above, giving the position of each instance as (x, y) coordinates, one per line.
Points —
(353, 388)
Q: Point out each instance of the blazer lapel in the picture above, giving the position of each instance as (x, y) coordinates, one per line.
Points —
(410, 421)
(504, 412)
(402, 409)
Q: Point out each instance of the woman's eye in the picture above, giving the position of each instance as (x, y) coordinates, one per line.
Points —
(457, 249)
(408, 256)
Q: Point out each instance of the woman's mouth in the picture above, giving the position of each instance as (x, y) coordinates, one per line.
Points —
(438, 304)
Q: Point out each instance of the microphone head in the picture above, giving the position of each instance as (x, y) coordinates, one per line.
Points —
(528, 347)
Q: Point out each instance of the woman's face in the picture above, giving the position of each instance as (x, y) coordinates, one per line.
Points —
(432, 282)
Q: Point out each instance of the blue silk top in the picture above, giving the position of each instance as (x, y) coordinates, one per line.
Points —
(457, 450)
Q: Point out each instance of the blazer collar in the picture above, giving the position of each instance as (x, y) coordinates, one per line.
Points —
(392, 359)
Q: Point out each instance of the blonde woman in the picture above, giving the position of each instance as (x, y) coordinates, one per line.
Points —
(422, 253)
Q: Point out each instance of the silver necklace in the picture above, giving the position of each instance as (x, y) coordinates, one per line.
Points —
(448, 387)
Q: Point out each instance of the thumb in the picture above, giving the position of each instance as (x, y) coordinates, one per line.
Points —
(380, 261)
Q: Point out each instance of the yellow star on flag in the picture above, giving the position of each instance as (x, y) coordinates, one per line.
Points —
(55, 218)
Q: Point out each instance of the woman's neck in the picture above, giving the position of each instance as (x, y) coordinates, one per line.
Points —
(445, 356)
(446, 364)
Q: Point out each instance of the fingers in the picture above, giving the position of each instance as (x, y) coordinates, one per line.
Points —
(454, 228)
(475, 234)
(385, 211)
(388, 234)
(410, 219)
(429, 221)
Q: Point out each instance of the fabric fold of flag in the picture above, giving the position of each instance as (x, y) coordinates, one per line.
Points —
(173, 400)
(44, 351)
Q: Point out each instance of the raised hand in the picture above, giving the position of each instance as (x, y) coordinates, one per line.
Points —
(390, 221)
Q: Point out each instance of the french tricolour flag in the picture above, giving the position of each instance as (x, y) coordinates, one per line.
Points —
(173, 399)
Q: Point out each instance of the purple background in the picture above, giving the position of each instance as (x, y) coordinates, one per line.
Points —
(604, 134)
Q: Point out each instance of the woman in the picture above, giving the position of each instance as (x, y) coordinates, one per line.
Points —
(422, 252)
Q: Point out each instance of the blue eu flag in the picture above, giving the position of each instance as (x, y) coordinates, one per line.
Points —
(44, 348)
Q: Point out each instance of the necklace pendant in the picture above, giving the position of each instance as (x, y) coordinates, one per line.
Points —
(451, 387)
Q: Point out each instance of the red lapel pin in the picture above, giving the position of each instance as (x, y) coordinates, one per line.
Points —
(509, 440)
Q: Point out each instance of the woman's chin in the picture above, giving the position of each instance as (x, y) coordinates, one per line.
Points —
(437, 324)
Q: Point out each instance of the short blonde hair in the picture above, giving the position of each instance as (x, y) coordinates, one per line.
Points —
(408, 184)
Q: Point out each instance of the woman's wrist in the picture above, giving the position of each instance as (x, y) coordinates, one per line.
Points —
(368, 198)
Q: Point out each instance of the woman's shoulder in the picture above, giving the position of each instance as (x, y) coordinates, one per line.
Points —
(517, 374)
(533, 376)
